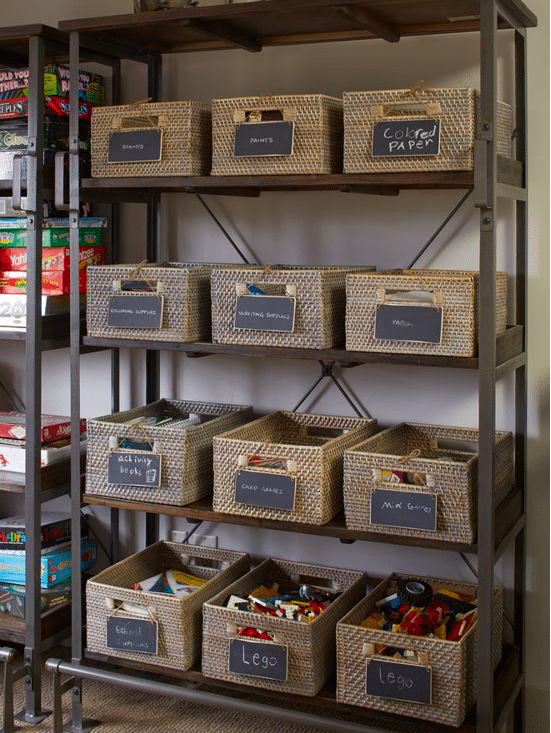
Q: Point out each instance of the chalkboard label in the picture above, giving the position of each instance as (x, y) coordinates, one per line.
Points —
(272, 490)
(132, 634)
(406, 137)
(399, 681)
(135, 311)
(134, 469)
(265, 313)
(263, 139)
(409, 323)
(258, 659)
(135, 146)
(408, 509)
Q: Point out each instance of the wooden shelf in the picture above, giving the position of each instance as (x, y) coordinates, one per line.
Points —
(252, 26)
(510, 174)
(55, 332)
(509, 519)
(55, 480)
(12, 629)
(506, 681)
(509, 347)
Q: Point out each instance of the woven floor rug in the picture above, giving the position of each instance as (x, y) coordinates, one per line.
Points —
(126, 711)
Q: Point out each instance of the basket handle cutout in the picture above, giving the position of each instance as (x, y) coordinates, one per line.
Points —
(395, 477)
(234, 629)
(204, 563)
(317, 580)
(268, 114)
(290, 291)
(407, 109)
(423, 298)
(417, 657)
(137, 120)
(141, 443)
(138, 286)
(453, 445)
(267, 464)
(116, 606)
(323, 432)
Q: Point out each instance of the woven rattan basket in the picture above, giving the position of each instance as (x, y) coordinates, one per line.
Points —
(312, 447)
(317, 145)
(455, 293)
(445, 463)
(318, 294)
(185, 138)
(453, 663)
(185, 291)
(454, 109)
(179, 620)
(186, 453)
(310, 646)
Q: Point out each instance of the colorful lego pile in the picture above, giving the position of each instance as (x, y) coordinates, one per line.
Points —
(303, 605)
(415, 609)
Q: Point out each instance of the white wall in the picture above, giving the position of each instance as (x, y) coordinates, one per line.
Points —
(333, 228)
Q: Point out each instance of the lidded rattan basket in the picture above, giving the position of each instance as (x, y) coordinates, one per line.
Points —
(418, 311)
(310, 647)
(415, 480)
(110, 596)
(314, 122)
(310, 303)
(309, 448)
(151, 139)
(180, 452)
(453, 665)
(179, 291)
(400, 130)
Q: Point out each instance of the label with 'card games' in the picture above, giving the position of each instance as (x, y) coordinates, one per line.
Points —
(272, 490)
(135, 311)
(134, 469)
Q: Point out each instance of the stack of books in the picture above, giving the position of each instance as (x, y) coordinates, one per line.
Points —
(55, 561)
(55, 437)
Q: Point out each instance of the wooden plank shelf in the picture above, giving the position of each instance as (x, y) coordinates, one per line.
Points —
(254, 25)
(55, 332)
(508, 516)
(510, 173)
(506, 681)
(55, 620)
(509, 346)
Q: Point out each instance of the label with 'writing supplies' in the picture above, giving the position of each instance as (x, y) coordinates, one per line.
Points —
(272, 490)
(135, 311)
(135, 146)
(263, 139)
(406, 137)
(399, 681)
(134, 469)
(132, 634)
(409, 509)
(409, 323)
(258, 659)
(265, 313)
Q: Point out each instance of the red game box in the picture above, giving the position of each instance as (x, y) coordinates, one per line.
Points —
(54, 282)
(53, 427)
(14, 259)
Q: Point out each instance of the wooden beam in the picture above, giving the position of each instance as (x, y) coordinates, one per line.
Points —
(373, 23)
(222, 32)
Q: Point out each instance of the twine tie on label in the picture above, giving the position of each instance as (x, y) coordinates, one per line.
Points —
(410, 456)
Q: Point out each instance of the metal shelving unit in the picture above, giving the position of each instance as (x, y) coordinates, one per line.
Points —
(31, 46)
(252, 26)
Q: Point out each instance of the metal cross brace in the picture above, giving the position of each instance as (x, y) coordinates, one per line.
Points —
(223, 230)
(327, 373)
(474, 571)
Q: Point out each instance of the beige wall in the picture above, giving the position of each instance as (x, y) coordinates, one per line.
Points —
(335, 228)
